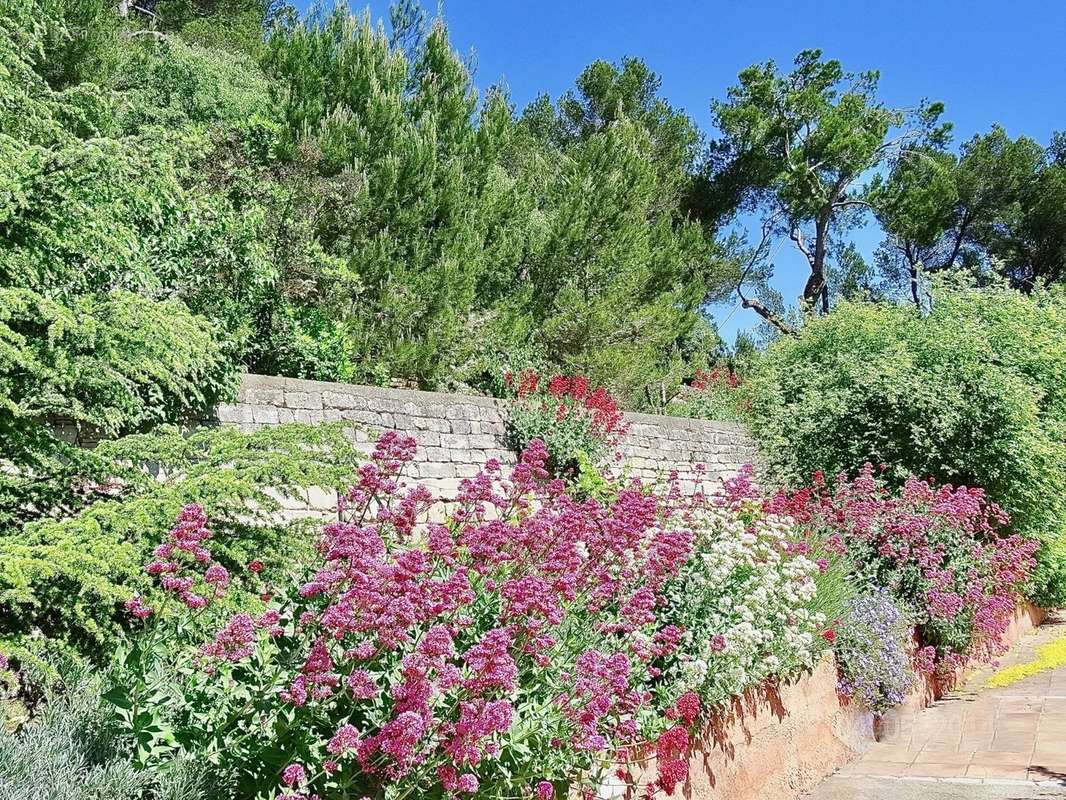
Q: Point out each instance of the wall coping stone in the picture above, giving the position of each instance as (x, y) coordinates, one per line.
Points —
(251, 382)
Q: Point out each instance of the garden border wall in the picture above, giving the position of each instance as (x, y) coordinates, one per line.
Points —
(457, 434)
(781, 740)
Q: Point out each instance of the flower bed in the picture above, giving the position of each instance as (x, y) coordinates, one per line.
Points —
(550, 638)
(780, 740)
(527, 646)
(773, 743)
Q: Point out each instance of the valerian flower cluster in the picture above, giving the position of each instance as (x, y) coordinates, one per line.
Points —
(575, 420)
(944, 552)
(525, 645)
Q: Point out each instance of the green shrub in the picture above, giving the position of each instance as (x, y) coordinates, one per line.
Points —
(73, 751)
(974, 394)
(719, 394)
(67, 578)
(114, 363)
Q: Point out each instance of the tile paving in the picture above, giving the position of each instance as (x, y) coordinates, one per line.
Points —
(976, 736)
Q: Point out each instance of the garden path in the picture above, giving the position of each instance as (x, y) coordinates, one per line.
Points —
(978, 742)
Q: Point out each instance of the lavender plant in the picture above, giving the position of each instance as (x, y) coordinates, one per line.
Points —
(872, 651)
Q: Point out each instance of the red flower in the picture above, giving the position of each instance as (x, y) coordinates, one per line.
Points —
(688, 707)
(829, 635)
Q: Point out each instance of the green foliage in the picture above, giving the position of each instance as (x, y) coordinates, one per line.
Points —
(72, 750)
(67, 578)
(805, 141)
(353, 210)
(994, 208)
(718, 394)
(471, 234)
(111, 363)
(970, 395)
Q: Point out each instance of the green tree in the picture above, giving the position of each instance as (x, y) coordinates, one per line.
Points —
(621, 264)
(807, 140)
(943, 212)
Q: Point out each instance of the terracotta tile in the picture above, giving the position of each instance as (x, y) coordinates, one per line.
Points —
(890, 753)
(929, 756)
(1021, 705)
(1000, 758)
(876, 768)
(1054, 760)
(936, 771)
(1013, 742)
(1001, 772)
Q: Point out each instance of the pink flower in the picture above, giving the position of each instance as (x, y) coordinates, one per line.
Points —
(448, 777)
(137, 607)
(688, 707)
(672, 771)
(545, 791)
(346, 738)
(362, 686)
(217, 575)
(491, 663)
(234, 642)
(293, 775)
(467, 783)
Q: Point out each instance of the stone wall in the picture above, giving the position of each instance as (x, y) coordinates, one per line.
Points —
(775, 743)
(457, 434)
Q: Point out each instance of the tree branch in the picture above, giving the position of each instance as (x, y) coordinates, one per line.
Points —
(754, 303)
(796, 235)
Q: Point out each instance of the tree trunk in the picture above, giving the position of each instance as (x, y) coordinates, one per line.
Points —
(816, 290)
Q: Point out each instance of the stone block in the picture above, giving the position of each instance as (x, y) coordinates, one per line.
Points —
(454, 441)
(265, 415)
(482, 441)
(438, 454)
(427, 438)
(262, 396)
(308, 400)
(230, 413)
(343, 400)
(436, 470)
(320, 498)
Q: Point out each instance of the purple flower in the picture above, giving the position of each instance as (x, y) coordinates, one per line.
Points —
(294, 775)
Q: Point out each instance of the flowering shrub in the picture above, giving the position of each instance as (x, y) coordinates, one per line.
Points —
(571, 417)
(972, 393)
(873, 651)
(716, 394)
(938, 549)
(743, 598)
(517, 649)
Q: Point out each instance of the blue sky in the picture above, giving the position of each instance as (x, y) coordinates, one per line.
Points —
(987, 61)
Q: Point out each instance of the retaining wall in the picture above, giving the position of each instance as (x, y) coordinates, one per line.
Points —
(775, 743)
(780, 741)
(457, 434)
